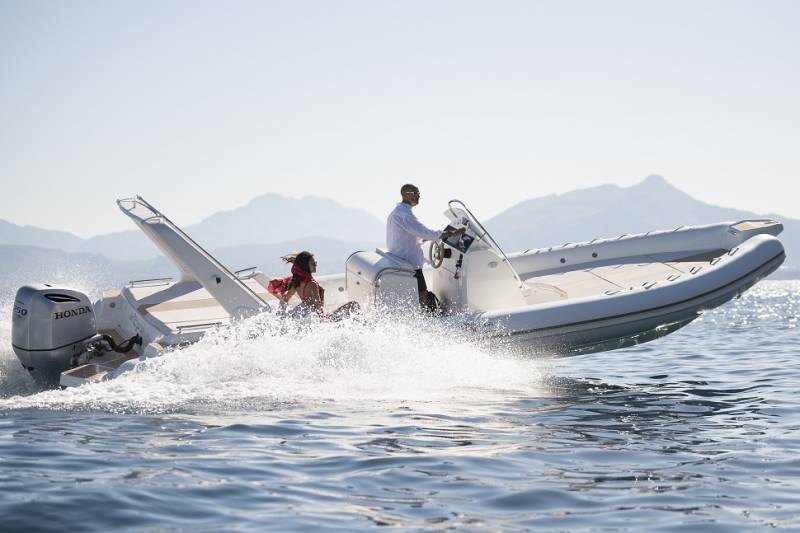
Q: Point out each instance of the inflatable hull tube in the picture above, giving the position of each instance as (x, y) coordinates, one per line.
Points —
(603, 322)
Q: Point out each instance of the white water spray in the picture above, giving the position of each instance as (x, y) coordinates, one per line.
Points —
(265, 361)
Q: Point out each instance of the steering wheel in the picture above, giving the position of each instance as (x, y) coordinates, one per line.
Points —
(436, 253)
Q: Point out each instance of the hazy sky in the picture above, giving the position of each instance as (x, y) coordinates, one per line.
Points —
(200, 106)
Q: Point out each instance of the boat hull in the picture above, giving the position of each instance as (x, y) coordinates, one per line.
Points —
(629, 329)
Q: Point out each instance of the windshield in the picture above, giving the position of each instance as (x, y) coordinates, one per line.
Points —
(460, 215)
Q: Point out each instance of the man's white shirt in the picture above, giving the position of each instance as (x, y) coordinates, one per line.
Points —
(404, 235)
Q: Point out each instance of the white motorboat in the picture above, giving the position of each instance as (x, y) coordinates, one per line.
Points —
(564, 300)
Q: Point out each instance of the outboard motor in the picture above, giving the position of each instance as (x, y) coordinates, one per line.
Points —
(49, 328)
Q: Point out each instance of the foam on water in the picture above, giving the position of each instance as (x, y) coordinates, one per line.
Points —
(266, 361)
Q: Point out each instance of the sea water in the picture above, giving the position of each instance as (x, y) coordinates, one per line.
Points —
(409, 424)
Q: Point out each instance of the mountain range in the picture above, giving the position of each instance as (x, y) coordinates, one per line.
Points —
(610, 210)
(269, 226)
(33, 236)
(88, 272)
(267, 219)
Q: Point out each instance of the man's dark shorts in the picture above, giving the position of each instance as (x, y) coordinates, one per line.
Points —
(428, 300)
(421, 285)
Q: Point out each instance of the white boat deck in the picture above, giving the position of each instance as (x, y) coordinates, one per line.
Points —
(610, 279)
(188, 307)
(184, 306)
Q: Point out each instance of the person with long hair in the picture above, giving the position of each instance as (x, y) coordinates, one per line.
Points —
(303, 285)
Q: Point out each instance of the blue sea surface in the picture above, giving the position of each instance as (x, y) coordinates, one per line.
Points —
(407, 426)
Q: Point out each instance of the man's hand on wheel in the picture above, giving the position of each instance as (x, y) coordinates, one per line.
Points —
(447, 234)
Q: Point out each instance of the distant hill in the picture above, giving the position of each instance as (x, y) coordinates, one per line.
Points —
(271, 218)
(267, 219)
(330, 254)
(92, 273)
(272, 225)
(33, 236)
(87, 272)
(609, 211)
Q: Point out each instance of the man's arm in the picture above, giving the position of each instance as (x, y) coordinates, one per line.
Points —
(417, 228)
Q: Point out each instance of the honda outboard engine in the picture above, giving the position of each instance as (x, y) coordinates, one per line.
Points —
(49, 328)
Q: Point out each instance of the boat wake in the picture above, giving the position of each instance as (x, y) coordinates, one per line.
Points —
(265, 362)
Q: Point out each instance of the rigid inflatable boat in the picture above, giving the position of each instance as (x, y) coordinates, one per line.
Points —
(565, 300)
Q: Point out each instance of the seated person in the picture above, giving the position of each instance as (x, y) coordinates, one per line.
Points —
(303, 284)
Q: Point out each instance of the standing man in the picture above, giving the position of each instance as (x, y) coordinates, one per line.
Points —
(404, 236)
